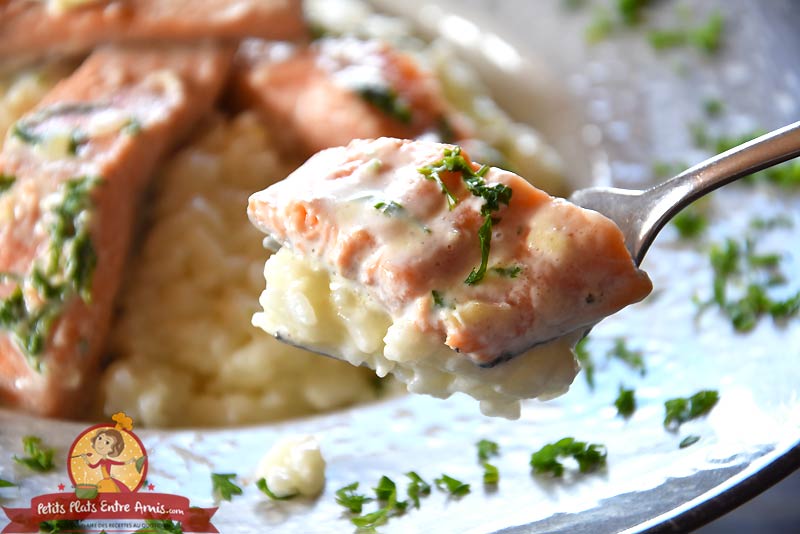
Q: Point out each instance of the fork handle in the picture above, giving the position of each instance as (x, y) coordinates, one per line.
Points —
(668, 198)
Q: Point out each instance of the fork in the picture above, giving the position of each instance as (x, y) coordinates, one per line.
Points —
(641, 214)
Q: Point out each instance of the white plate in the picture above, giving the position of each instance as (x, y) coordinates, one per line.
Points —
(628, 107)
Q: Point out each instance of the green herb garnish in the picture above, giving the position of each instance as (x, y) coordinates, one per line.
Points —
(223, 487)
(713, 107)
(438, 299)
(417, 487)
(6, 182)
(67, 271)
(58, 526)
(386, 492)
(388, 101)
(631, 10)
(585, 359)
(508, 272)
(601, 26)
(161, 526)
(691, 221)
(487, 449)
(389, 208)
(39, 458)
(351, 500)
(688, 441)
(491, 475)
(6, 484)
(493, 196)
(261, 484)
(24, 134)
(590, 457)
(451, 485)
(633, 358)
(626, 402)
(706, 38)
(682, 409)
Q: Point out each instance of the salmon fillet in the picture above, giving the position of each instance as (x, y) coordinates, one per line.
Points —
(338, 89)
(475, 257)
(73, 171)
(35, 28)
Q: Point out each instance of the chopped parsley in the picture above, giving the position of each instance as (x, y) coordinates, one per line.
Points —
(6, 484)
(707, 37)
(590, 457)
(6, 182)
(688, 441)
(487, 449)
(601, 26)
(691, 221)
(388, 101)
(585, 359)
(261, 484)
(223, 486)
(438, 299)
(631, 10)
(682, 409)
(452, 486)
(417, 488)
(390, 208)
(386, 492)
(633, 358)
(24, 134)
(713, 107)
(491, 475)
(493, 196)
(67, 271)
(351, 500)
(39, 457)
(57, 526)
(737, 264)
(508, 272)
(626, 402)
(161, 526)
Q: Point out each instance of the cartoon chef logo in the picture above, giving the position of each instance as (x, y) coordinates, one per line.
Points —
(107, 458)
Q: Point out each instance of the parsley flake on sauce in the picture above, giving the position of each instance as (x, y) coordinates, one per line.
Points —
(223, 486)
(39, 457)
(590, 457)
(66, 270)
(261, 484)
(493, 197)
(682, 409)
(6, 182)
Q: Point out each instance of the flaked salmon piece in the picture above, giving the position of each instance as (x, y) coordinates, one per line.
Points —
(475, 263)
(337, 89)
(73, 170)
(35, 28)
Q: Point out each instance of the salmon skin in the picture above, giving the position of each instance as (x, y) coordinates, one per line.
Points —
(35, 28)
(73, 171)
(474, 256)
(337, 89)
